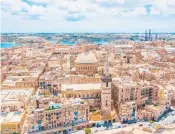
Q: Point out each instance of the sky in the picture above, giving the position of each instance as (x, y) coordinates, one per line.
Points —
(87, 16)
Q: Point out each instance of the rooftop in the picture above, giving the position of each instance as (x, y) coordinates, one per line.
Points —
(12, 117)
(86, 57)
(9, 95)
(67, 87)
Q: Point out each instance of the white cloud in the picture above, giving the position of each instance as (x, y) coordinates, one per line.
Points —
(14, 5)
(140, 11)
(171, 2)
(5, 14)
(154, 11)
(111, 1)
(40, 1)
(37, 10)
(165, 7)
(60, 13)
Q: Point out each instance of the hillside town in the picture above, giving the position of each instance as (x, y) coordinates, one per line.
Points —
(128, 87)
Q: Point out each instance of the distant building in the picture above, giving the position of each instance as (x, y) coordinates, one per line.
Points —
(146, 36)
(150, 35)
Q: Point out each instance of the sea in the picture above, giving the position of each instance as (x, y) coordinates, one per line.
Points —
(13, 44)
(8, 44)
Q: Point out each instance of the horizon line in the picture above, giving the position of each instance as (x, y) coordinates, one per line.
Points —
(85, 32)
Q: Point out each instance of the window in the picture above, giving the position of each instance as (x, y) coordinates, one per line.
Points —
(106, 84)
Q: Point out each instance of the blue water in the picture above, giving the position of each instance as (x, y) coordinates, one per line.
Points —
(67, 42)
(8, 44)
(100, 42)
(62, 42)
(53, 41)
(73, 43)
(11, 44)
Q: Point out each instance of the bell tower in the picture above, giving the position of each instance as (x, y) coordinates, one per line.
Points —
(106, 90)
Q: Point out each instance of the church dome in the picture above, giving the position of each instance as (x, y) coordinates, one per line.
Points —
(86, 58)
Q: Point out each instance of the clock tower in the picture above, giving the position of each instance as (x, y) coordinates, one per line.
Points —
(106, 90)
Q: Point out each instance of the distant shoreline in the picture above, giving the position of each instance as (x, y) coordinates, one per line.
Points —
(87, 33)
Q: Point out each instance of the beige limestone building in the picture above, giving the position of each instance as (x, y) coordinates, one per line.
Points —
(86, 63)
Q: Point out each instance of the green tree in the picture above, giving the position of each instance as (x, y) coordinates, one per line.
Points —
(87, 130)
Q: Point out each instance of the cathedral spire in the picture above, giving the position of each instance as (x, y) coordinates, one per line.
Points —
(106, 90)
(106, 66)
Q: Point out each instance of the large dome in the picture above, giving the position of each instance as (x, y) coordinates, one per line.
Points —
(86, 57)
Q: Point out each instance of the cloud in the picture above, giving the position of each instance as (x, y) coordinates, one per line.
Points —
(37, 10)
(137, 12)
(148, 8)
(165, 7)
(40, 1)
(74, 17)
(89, 9)
(14, 5)
(76, 13)
(154, 11)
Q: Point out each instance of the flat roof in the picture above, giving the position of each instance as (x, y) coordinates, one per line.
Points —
(118, 46)
(62, 48)
(12, 117)
(9, 95)
(67, 87)
(154, 107)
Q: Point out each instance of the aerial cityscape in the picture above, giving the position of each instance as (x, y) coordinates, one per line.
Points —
(87, 67)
